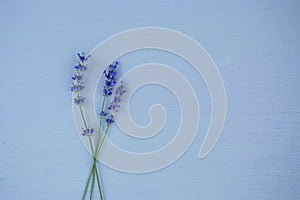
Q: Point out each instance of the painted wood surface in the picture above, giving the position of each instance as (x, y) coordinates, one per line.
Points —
(255, 45)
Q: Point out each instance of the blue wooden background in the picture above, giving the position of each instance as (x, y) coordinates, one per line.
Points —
(255, 45)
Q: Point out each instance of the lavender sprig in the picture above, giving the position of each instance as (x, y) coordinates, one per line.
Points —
(115, 104)
(77, 87)
(110, 81)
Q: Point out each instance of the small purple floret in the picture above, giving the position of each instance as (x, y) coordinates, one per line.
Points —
(82, 57)
(78, 77)
(79, 100)
(103, 114)
(78, 87)
(88, 132)
(110, 120)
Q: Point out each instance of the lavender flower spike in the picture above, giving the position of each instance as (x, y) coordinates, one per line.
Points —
(110, 81)
(77, 85)
(115, 104)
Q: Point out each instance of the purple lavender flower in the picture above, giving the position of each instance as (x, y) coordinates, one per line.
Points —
(110, 81)
(110, 120)
(82, 57)
(77, 87)
(77, 77)
(79, 100)
(115, 104)
(103, 114)
(87, 132)
(81, 66)
(121, 89)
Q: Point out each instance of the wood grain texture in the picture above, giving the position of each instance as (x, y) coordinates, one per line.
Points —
(255, 45)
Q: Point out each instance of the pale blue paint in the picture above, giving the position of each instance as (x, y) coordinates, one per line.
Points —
(256, 47)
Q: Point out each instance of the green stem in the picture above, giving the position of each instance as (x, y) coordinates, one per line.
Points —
(99, 148)
(87, 183)
(94, 170)
(95, 163)
(82, 116)
(100, 123)
(98, 179)
(91, 145)
(92, 186)
(97, 144)
(102, 109)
